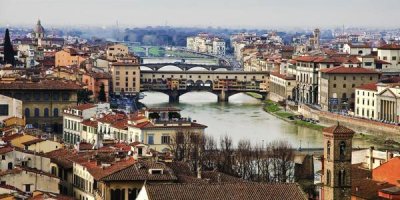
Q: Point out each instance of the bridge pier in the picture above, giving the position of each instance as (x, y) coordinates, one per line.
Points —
(173, 96)
(223, 96)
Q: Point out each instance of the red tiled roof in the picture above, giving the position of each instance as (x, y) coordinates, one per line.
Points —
(282, 76)
(98, 172)
(84, 106)
(41, 85)
(90, 123)
(6, 149)
(390, 47)
(11, 137)
(225, 191)
(61, 157)
(123, 124)
(368, 86)
(338, 129)
(348, 70)
(112, 117)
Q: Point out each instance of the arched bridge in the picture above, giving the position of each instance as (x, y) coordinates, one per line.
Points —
(222, 83)
(185, 66)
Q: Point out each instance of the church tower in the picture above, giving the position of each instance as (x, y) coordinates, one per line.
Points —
(38, 32)
(317, 38)
(337, 163)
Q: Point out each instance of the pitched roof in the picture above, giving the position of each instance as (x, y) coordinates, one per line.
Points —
(60, 157)
(338, 129)
(390, 47)
(222, 191)
(41, 85)
(282, 76)
(348, 70)
(140, 172)
(368, 86)
(6, 149)
(90, 123)
(34, 141)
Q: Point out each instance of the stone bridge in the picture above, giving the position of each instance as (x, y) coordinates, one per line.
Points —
(221, 83)
(185, 66)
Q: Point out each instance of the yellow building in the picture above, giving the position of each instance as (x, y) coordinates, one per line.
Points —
(43, 100)
(70, 56)
(116, 51)
(126, 76)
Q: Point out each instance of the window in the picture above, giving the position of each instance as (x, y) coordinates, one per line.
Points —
(393, 57)
(334, 78)
(65, 97)
(55, 112)
(342, 149)
(46, 96)
(344, 85)
(3, 109)
(27, 187)
(344, 78)
(370, 78)
(354, 78)
(328, 150)
(334, 85)
(342, 177)
(116, 72)
(328, 177)
(46, 112)
(56, 96)
(126, 73)
(37, 112)
(3, 157)
(165, 139)
(150, 139)
(36, 96)
(353, 85)
(384, 58)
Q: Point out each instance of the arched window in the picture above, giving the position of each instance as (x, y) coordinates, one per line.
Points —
(342, 149)
(328, 177)
(54, 170)
(37, 112)
(342, 177)
(27, 112)
(328, 150)
(360, 52)
(46, 112)
(10, 165)
(55, 112)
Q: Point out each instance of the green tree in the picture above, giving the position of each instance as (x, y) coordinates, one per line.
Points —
(8, 50)
(174, 115)
(102, 94)
(154, 115)
(84, 95)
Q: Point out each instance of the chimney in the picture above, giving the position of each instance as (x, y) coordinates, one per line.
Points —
(371, 158)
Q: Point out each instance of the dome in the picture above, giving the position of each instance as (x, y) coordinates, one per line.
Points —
(39, 28)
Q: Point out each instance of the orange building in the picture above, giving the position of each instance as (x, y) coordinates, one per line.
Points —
(389, 172)
(70, 56)
(93, 82)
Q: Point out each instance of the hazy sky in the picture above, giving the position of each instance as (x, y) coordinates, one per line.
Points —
(224, 13)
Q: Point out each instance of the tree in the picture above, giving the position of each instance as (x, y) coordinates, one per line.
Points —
(8, 50)
(84, 95)
(174, 115)
(102, 94)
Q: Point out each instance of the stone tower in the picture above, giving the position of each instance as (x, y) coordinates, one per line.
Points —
(38, 32)
(337, 163)
(317, 37)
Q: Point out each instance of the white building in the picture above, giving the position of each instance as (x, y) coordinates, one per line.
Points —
(390, 53)
(204, 43)
(357, 49)
(365, 103)
(10, 107)
(388, 102)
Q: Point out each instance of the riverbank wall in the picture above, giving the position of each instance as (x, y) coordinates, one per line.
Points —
(357, 124)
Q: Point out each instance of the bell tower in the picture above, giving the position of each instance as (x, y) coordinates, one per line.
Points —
(337, 163)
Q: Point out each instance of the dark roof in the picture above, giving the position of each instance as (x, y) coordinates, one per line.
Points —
(338, 129)
(140, 172)
(41, 85)
(222, 191)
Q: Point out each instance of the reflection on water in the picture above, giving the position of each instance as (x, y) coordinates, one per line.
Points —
(242, 117)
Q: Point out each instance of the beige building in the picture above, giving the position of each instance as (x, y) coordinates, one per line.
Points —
(281, 86)
(117, 51)
(70, 56)
(126, 76)
(204, 43)
(337, 86)
(10, 107)
(365, 103)
(390, 53)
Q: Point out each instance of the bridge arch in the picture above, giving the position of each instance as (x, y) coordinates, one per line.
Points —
(221, 69)
(199, 83)
(197, 69)
(145, 68)
(170, 68)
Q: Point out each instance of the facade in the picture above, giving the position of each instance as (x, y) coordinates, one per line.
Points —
(69, 56)
(338, 84)
(43, 101)
(388, 103)
(390, 53)
(366, 100)
(357, 49)
(204, 43)
(337, 163)
(10, 107)
(125, 77)
(94, 81)
(116, 51)
(281, 86)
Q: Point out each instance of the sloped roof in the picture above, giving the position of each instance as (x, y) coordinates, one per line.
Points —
(348, 70)
(338, 129)
(368, 86)
(222, 191)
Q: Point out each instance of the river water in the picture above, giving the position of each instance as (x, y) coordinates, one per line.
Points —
(241, 118)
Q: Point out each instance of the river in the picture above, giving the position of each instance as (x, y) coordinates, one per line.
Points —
(241, 118)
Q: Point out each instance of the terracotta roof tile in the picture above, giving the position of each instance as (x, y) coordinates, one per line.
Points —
(41, 85)
(338, 129)
(390, 47)
(368, 86)
(348, 70)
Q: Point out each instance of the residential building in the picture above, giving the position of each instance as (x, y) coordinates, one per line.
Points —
(233, 191)
(371, 158)
(116, 51)
(388, 102)
(337, 163)
(337, 86)
(390, 53)
(94, 81)
(10, 107)
(42, 100)
(204, 43)
(70, 56)
(126, 76)
(361, 49)
(365, 101)
(281, 86)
